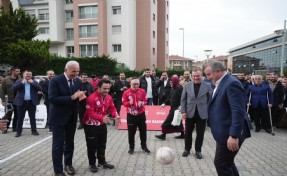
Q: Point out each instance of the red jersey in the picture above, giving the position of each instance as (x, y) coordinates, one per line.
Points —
(97, 108)
(94, 83)
(138, 97)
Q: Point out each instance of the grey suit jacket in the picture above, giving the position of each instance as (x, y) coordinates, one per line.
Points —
(189, 102)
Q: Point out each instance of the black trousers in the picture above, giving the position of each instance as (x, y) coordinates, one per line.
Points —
(15, 119)
(63, 143)
(81, 110)
(96, 138)
(200, 125)
(48, 109)
(261, 118)
(135, 122)
(26, 106)
(224, 160)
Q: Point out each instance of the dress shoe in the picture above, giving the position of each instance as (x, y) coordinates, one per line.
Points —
(80, 127)
(105, 165)
(14, 130)
(185, 153)
(50, 131)
(179, 137)
(146, 150)
(17, 134)
(93, 168)
(35, 133)
(70, 170)
(162, 136)
(4, 132)
(198, 155)
(131, 151)
(257, 129)
(59, 174)
(268, 131)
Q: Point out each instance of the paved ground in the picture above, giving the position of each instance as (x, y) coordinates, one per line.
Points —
(28, 155)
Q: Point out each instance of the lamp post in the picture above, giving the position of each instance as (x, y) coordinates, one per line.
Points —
(207, 53)
(183, 47)
(283, 33)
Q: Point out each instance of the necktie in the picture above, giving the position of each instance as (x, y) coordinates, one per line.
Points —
(71, 86)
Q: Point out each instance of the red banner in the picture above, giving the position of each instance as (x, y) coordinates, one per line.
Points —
(155, 116)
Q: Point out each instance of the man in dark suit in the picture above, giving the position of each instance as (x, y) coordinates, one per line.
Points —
(164, 88)
(26, 99)
(194, 100)
(45, 86)
(228, 119)
(64, 94)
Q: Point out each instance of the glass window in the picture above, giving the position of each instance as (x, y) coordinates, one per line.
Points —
(153, 51)
(88, 12)
(88, 50)
(153, 34)
(153, 17)
(43, 14)
(116, 10)
(69, 1)
(70, 34)
(117, 48)
(69, 16)
(70, 51)
(116, 29)
(44, 30)
(31, 13)
(89, 31)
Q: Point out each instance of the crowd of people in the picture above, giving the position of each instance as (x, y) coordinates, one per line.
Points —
(219, 100)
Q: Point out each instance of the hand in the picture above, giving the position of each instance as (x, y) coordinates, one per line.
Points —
(183, 115)
(269, 105)
(141, 103)
(106, 119)
(118, 120)
(131, 101)
(162, 105)
(232, 144)
(3, 124)
(280, 106)
(76, 95)
(30, 81)
(248, 104)
(125, 88)
(24, 81)
(82, 95)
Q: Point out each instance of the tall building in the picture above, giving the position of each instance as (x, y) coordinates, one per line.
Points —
(259, 56)
(4, 3)
(134, 32)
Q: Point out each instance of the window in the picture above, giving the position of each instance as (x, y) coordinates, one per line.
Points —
(70, 51)
(88, 12)
(44, 30)
(116, 10)
(43, 14)
(117, 48)
(69, 1)
(89, 31)
(154, 1)
(153, 34)
(167, 17)
(166, 43)
(153, 17)
(31, 13)
(88, 50)
(153, 51)
(116, 29)
(70, 34)
(69, 16)
(166, 3)
(166, 30)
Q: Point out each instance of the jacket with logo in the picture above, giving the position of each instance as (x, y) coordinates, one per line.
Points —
(137, 96)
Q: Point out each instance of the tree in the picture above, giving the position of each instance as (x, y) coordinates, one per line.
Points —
(17, 47)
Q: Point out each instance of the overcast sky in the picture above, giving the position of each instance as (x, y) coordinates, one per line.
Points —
(220, 25)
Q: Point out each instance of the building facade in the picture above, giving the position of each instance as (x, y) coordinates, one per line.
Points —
(4, 3)
(179, 62)
(260, 56)
(133, 32)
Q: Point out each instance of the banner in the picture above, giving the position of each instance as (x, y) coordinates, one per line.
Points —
(41, 117)
(155, 116)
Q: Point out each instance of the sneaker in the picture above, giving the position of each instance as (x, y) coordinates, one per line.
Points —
(80, 127)
(35, 133)
(131, 151)
(17, 134)
(198, 155)
(146, 150)
(162, 136)
(4, 132)
(106, 166)
(179, 137)
(14, 130)
(93, 168)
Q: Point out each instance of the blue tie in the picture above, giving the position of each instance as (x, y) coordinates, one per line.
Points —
(71, 86)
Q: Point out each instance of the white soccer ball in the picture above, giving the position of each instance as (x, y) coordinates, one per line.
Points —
(165, 155)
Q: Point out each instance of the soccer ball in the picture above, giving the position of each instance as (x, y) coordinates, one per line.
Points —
(165, 155)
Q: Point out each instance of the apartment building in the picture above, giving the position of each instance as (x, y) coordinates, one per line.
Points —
(134, 32)
(4, 3)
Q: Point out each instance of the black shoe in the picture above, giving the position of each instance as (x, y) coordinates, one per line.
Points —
(179, 137)
(257, 129)
(35, 133)
(93, 168)
(162, 136)
(268, 131)
(14, 130)
(198, 155)
(146, 150)
(4, 132)
(59, 174)
(17, 134)
(131, 151)
(80, 127)
(70, 170)
(106, 166)
(185, 153)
